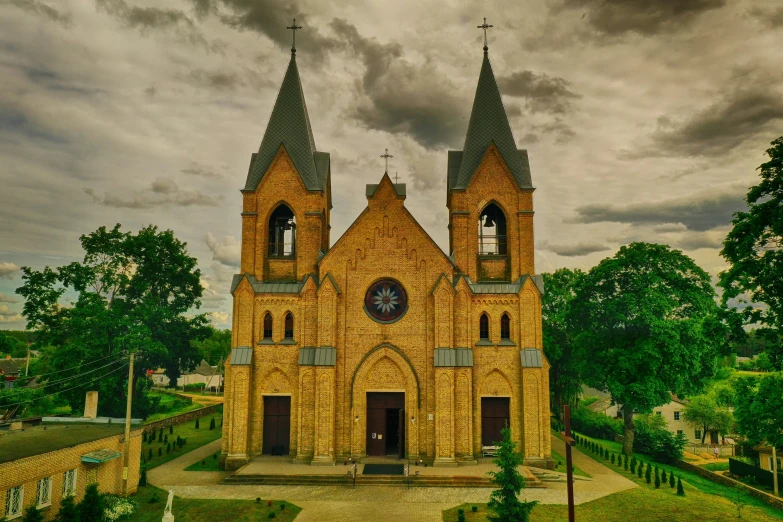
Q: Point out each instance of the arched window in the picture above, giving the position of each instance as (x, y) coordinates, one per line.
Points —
(268, 326)
(282, 232)
(505, 327)
(484, 327)
(492, 231)
(289, 326)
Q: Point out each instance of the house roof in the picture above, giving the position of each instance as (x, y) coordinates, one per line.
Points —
(488, 124)
(19, 444)
(289, 125)
(205, 369)
(8, 367)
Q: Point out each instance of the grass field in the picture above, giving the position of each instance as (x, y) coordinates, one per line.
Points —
(195, 439)
(170, 405)
(560, 465)
(151, 502)
(704, 501)
(206, 464)
(716, 466)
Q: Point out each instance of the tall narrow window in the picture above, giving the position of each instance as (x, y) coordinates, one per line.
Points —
(268, 326)
(289, 326)
(69, 483)
(492, 231)
(484, 327)
(505, 328)
(282, 232)
(44, 492)
(14, 499)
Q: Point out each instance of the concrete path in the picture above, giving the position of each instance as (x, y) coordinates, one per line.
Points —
(380, 504)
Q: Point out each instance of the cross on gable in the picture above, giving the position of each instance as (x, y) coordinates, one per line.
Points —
(386, 156)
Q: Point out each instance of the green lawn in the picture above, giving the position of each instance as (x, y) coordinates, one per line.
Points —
(195, 439)
(170, 405)
(716, 466)
(207, 464)
(560, 465)
(151, 502)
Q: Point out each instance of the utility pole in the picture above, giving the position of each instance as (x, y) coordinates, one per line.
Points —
(775, 469)
(27, 365)
(569, 462)
(126, 456)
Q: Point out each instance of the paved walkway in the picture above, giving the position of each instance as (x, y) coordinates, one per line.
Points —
(325, 503)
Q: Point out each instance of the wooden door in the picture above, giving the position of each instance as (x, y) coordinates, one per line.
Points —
(494, 417)
(401, 434)
(277, 425)
(376, 432)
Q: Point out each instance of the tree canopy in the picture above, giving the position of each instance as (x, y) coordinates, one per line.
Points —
(758, 406)
(130, 293)
(754, 250)
(652, 317)
(705, 412)
(558, 333)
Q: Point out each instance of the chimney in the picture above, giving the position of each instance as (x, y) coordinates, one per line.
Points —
(91, 405)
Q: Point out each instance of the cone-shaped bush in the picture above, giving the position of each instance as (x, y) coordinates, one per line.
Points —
(606, 454)
(680, 490)
(633, 467)
(144, 436)
(612, 458)
(648, 473)
(663, 476)
(639, 469)
(149, 454)
(165, 438)
(196, 423)
(657, 479)
(625, 464)
(143, 476)
(160, 452)
(160, 435)
(168, 447)
(212, 424)
(671, 480)
(171, 429)
(633, 462)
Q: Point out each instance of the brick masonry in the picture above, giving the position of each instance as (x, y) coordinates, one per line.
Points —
(107, 475)
(442, 405)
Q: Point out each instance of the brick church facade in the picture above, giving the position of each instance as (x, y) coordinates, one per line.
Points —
(381, 344)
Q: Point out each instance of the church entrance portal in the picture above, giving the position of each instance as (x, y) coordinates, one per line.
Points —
(494, 417)
(277, 425)
(386, 424)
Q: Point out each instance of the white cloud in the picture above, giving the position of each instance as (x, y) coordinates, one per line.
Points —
(8, 270)
(8, 298)
(226, 250)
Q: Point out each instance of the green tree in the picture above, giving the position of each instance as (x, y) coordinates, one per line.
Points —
(31, 514)
(671, 480)
(759, 403)
(680, 489)
(92, 505)
(68, 511)
(216, 347)
(10, 345)
(558, 332)
(652, 319)
(754, 250)
(504, 502)
(131, 295)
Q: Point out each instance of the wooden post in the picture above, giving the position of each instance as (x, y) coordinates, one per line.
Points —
(126, 456)
(569, 463)
(775, 469)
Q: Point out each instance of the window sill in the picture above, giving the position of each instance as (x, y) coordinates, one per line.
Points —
(492, 256)
(506, 342)
(287, 341)
(43, 506)
(484, 342)
(266, 341)
(14, 517)
(288, 257)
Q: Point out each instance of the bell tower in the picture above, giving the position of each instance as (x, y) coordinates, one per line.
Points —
(490, 192)
(287, 195)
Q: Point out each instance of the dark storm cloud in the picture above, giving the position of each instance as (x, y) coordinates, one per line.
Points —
(698, 212)
(20, 125)
(270, 18)
(218, 80)
(198, 170)
(772, 18)
(39, 8)
(161, 192)
(646, 17)
(574, 249)
(400, 97)
(146, 19)
(718, 128)
(542, 93)
(560, 129)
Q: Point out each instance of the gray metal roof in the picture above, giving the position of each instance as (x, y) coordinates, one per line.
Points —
(317, 356)
(488, 124)
(539, 281)
(262, 287)
(531, 358)
(289, 125)
(398, 187)
(496, 287)
(241, 356)
(453, 357)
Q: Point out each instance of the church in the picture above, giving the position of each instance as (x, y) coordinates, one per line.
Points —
(380, 344)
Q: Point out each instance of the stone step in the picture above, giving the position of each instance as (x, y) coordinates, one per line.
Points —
(370, 480)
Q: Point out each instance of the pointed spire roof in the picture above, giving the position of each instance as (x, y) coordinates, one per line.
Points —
(488, 124)
(289, 125)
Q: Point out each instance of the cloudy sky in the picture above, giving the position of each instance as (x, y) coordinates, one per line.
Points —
(643, 120)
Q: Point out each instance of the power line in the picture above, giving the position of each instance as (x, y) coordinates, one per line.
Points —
(72, 377)
(74, 367)
(67, 389)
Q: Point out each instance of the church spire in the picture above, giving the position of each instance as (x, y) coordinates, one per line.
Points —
(289, 125)
(488, 124)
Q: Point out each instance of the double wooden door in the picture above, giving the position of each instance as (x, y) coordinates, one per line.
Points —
(494, 417)
(386, 424)
(277, 425)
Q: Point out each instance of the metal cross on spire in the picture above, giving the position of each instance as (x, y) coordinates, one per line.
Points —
(386, 156)
(485, 26)
(293, 29)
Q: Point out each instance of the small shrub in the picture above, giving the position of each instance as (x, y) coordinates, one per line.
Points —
(160, 452)
(144, 436)
(212, 424)
(671, 480)
(657, 479)
(118, 508)
(196, 387)
(165, 438)
(639, 469)
(171, 429)
(460, 518)
(282, 506)
(625, 463)
(648, 473)
(612, 458)
(663, 476)
(154, 499)
(160, 435)
(143, 476)
(31, 514)
(258, 500)
(215, 456)
(460, 511)
(474, 508)
(680, 490)
(197, 424)
(149, 454)
(272, 514)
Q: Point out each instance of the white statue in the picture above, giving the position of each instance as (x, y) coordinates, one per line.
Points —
(167, 515)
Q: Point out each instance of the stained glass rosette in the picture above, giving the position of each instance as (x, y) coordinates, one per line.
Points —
(386, 301)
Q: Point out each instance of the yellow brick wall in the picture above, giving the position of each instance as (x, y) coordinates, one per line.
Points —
(53, 464)
(329, 403)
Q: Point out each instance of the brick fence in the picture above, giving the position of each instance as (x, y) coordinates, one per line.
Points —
(730, 482)
(184, 417)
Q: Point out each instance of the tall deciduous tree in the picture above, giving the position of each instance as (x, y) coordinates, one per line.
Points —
(759, 403)
(650, 316)
(754, 251)
(129, 294)
(558, 335)
(707, 414)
